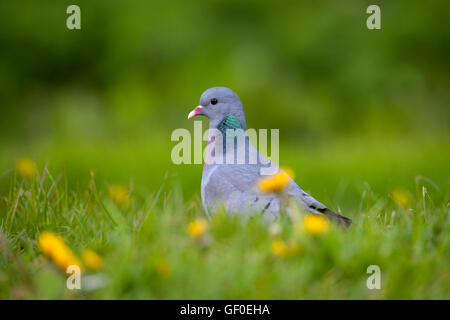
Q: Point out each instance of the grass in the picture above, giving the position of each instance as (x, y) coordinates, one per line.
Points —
(148, 253)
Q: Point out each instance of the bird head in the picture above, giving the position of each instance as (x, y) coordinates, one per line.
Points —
(218, 102)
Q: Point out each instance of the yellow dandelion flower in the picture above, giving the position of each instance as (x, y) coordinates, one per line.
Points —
(276, 182)
(55, 248)
(279, 248)
(26, 168)
(282, 249)
(315, 224)
(92, 260)
(119, 195)
(197, 228)
(402, 198)
(163, 269)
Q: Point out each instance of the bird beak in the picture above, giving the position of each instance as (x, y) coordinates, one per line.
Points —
(195, 112)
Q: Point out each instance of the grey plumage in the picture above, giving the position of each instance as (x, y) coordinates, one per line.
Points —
(235, 185)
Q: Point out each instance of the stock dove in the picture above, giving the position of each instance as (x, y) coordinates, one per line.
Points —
(233, 184)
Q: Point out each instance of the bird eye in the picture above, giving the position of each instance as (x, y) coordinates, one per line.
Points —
(214, 101)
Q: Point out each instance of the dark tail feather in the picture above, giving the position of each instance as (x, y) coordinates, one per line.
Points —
(346, 222)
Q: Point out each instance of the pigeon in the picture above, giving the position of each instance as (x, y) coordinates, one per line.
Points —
(233, 184)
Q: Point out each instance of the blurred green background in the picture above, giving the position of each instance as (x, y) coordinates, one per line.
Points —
(353, 105)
